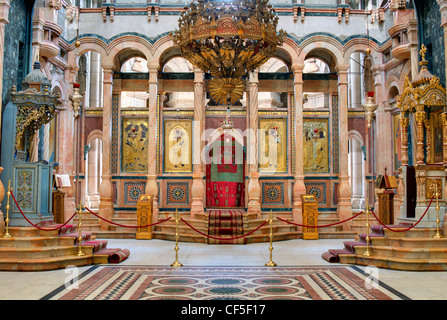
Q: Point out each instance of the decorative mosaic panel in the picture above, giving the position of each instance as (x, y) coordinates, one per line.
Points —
(24, 189)
(135, 142)
(273, 193)
(293, 138)
(115, 128)
(335, 133)
(177, 193)
(133, 191)
(318, 189)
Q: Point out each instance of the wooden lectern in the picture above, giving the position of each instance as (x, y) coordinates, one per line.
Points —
(386, 184)
(310, 216)
(144, 218)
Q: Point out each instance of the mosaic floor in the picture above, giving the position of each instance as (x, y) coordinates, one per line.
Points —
(225, 283)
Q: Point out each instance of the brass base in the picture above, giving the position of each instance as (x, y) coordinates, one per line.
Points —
(7, 236)
(80, 254)
(437, 236)
(366, 253)
(176, 264)
(270, 264)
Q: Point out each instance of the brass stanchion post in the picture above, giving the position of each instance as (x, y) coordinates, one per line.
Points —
(271, 263)
(438, 234)
(80, 253)
(176, 263)
(367, 253)
(7, 235)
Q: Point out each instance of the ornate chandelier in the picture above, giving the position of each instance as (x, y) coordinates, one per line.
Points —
(228, 39)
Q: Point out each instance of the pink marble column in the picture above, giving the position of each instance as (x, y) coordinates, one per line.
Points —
(151, 185)
(198, 189)
(4, 19)
(344, 187)
(254, 189)
(105, 190)
(299, 186)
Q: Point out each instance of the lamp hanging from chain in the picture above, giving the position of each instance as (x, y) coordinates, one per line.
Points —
(228, 39)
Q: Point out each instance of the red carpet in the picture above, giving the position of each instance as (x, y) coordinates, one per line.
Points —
(226, 223)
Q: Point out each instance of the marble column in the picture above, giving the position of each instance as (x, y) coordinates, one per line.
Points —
(197, 188)
(298, 186)
(106, 189)
(4, 19)
(355, 81)
(93, 174)
(95, 80)
(152, 185)
(356, 174)
(254, 189)
(344, 188)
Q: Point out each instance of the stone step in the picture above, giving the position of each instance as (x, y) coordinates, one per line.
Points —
(405, 264)
(42, 252)
(34, 242)
(45, 264)
(412, 233)
(405, 253)
(410, 242)
(22, 232)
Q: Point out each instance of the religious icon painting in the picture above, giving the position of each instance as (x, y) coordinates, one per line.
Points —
(135, 145)
(397, 142)
(437, 136)
(272, 145)
(178, 146)
(316, 146)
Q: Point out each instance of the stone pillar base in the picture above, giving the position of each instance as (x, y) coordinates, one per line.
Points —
(254, 195)
(344, 203)
(69, 207)
(197, 193)
(299, 188)
(106, 211)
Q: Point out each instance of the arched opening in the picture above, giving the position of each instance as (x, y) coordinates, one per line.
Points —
(179, 99)
(134, 99)
(356, 165)
(93, 172)
(314, 98)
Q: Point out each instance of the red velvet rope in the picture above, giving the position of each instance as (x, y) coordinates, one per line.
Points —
(218, 238)
(36, 226)
(121, 225)
(409, 228)
(327, 225)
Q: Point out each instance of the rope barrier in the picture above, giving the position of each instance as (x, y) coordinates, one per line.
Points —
(219, 238)
(409, 228)
(121, 225)
(321, 226)
(34, 225)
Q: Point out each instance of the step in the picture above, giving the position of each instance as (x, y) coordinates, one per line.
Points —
(45, 264)
(41, 252)
(402, 264)
(22, 232)
(407, 253)
(410, 242)
(33, 242)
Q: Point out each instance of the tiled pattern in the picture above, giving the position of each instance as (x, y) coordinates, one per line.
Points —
(273, 193)
(133, 190)
(177, 193)
(115, 128)
(335, 134)
(318, 189)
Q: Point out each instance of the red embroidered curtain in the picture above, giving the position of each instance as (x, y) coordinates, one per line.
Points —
(225, 175)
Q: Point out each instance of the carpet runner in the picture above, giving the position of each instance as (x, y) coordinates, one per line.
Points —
(138, 282)
(226, 223)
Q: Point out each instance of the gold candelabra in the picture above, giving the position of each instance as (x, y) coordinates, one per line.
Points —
(438, 234)
(271, 263)
(7, 235)
(176, 263)
(367, 253)
(80, 253)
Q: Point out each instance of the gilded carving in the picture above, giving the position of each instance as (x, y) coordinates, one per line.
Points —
(433, 185)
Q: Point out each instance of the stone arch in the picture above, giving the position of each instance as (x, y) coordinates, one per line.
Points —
(94, 134)
(125, 47)
(325, 48)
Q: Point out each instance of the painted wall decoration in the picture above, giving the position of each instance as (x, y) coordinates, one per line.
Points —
(437, 136)
(318, 189)
(178, 146)
(273, 145)
(397, 142)
(316, 146)
(134, 145)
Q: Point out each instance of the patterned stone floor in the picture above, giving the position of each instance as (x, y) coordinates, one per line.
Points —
(225, 283)
(292, 253)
